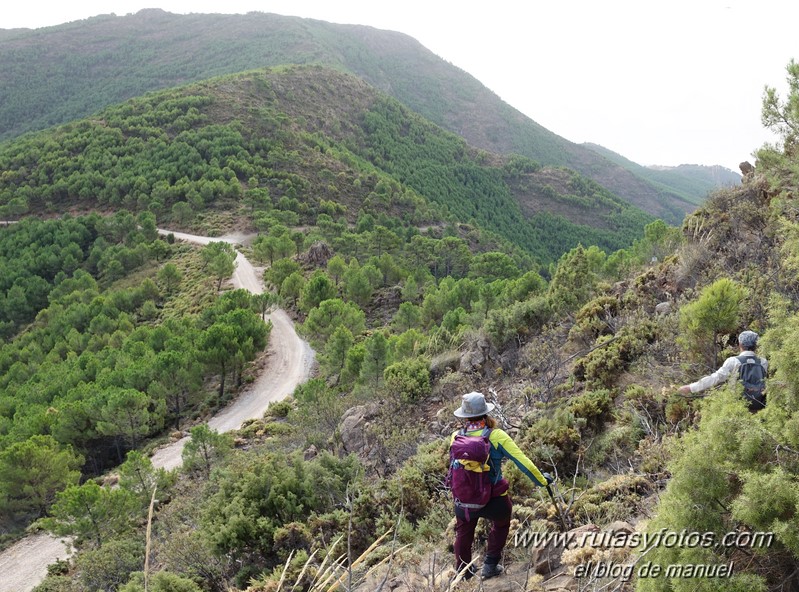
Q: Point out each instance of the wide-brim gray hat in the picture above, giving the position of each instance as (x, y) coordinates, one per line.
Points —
(473, 405)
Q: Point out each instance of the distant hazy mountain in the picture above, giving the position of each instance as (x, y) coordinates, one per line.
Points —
(57, 74)
(690, 181)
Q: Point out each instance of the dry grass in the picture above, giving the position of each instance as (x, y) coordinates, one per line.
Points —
(336, 572)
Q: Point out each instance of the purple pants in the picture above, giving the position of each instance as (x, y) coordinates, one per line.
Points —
(498, 511)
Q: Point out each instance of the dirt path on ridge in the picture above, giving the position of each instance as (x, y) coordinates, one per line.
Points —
(288, 363)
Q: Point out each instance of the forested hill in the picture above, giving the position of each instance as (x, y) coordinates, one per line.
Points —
(110, 334)
(692, 181)
(58, 74)
(309, 142)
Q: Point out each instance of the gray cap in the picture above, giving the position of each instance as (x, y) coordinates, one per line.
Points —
(474, 405)
(748, 339)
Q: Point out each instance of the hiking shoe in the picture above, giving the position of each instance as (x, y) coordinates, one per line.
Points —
(491, 570)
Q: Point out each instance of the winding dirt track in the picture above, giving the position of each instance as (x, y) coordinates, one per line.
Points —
(289, 362)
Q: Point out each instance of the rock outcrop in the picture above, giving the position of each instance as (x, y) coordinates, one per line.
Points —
(318, 254)
(354, 429)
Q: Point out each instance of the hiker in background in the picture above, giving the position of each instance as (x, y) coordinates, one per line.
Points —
(476, 422)
(750, 369)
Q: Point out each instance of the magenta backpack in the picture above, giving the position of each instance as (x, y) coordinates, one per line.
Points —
(471, 489)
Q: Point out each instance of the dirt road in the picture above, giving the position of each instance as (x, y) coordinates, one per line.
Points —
(289, 361)
(288, 364)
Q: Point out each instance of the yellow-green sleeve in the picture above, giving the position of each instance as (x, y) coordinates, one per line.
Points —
(505, 444)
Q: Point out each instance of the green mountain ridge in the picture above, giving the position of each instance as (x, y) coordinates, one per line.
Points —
(306, 135)
(66, 72)
(692, 182)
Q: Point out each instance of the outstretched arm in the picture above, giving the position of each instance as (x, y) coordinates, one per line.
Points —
(509, 449)
(712, 380)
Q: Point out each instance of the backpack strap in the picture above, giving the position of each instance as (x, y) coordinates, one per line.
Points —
(485, 433)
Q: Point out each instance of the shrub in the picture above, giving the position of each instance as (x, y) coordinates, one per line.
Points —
(711, 317)
(618, 498)
(725, 477)
(518, 320)
(615, 447)
(603, 366)
(408, 379)
(291, 536)
(318, 411)
(160, 581)
(281, 575)
(648, 405)
(278, 428)
(279, 409)
(56, 584)
(594, 319)
(413, 489)
(556, 440)
(251, 428)
(59, 567)
(109, 566)
(257, 495)
(592, 406)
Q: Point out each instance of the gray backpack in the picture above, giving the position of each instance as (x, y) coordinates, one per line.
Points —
(752, 375)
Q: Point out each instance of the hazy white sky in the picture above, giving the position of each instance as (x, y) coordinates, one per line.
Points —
(659, 81)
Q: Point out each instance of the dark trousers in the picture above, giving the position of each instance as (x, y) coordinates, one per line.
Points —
(498, 511)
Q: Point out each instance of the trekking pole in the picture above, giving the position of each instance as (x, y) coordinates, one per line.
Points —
(557, 509)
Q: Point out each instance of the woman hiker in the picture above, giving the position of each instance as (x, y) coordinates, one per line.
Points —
(476, 422)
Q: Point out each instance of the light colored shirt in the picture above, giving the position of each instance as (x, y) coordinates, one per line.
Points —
(729, 368)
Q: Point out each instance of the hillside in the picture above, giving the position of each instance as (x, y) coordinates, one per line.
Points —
(58, 74)
(306, 142)
(115, 339)
(692, 182)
